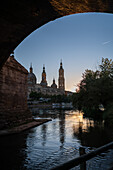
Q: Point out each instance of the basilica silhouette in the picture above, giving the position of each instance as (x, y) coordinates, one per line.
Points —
(43, 87)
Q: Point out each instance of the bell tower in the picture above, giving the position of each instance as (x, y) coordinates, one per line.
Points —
(31, 69)
(43, 82)
(61, 80)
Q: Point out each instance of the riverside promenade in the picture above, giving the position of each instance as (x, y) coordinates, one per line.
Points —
(23, 127)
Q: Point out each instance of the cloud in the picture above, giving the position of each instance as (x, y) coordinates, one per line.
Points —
(106, 42)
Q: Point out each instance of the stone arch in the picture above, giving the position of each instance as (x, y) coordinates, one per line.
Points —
(20, 18)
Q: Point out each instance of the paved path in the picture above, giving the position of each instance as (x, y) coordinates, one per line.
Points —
(23, 127)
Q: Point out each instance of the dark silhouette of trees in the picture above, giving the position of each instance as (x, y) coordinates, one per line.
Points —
(35, 96)
(53, 98)
(95, 89)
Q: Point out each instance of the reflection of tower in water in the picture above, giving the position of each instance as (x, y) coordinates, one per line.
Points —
(62, 127)
(44, 134)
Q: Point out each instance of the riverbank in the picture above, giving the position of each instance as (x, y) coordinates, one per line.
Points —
(36, 104)
(23, 127)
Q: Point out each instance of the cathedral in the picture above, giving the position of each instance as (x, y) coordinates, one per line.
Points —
(43, 87)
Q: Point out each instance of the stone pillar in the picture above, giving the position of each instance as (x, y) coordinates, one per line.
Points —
(13, 94)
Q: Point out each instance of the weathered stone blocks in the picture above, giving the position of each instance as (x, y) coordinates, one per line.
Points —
(13, 94)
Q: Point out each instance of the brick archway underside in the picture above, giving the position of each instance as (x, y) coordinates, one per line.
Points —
(19, 18)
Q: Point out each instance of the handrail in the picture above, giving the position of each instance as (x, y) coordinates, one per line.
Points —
(74, 162)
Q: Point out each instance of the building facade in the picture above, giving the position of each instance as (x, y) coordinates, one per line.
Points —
(43, 87)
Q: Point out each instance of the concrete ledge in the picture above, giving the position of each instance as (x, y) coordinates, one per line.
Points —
(23, 127)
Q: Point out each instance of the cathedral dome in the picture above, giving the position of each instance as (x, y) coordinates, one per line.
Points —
(31, 77)
(54, 85)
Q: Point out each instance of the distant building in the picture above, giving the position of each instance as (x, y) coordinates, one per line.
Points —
(31, 77)
(61, 80)
(43, 82)
(43, 87)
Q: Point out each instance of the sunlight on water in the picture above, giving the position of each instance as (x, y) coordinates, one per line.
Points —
(56, 142)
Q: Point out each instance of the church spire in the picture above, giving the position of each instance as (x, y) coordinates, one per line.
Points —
(61, 63)
(53, 80)
(54, 85)
(61, 80)
(43, 82)
(43, 68)
(31, 69)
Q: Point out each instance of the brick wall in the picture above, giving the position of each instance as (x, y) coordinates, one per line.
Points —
(13, 94)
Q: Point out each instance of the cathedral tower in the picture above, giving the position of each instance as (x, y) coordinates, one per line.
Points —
(31, 69)
(31, 76)
(61, 80)
(43, 82)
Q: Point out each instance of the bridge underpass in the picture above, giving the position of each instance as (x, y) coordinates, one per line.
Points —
(20, 18)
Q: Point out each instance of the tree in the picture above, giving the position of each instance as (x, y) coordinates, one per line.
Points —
(106, 68)
(35, 96)
(95, 88)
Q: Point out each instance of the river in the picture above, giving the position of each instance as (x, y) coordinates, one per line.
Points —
(55, 142)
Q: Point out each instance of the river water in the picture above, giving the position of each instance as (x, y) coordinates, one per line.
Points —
(55, 142)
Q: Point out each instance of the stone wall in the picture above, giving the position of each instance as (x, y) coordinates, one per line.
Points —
(13, 94)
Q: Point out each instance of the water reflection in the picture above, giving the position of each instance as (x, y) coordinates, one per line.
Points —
(44, 134)
(62, 128)
(91, 133)
(52, 143)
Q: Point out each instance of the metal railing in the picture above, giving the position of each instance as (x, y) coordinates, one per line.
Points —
(79, 160)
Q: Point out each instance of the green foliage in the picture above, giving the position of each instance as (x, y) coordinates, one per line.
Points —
(108, 115)
(106, 68)
(54, 98)
(35, 95)
(95, 88)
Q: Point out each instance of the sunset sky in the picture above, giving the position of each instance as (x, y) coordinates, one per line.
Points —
(80, 40)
